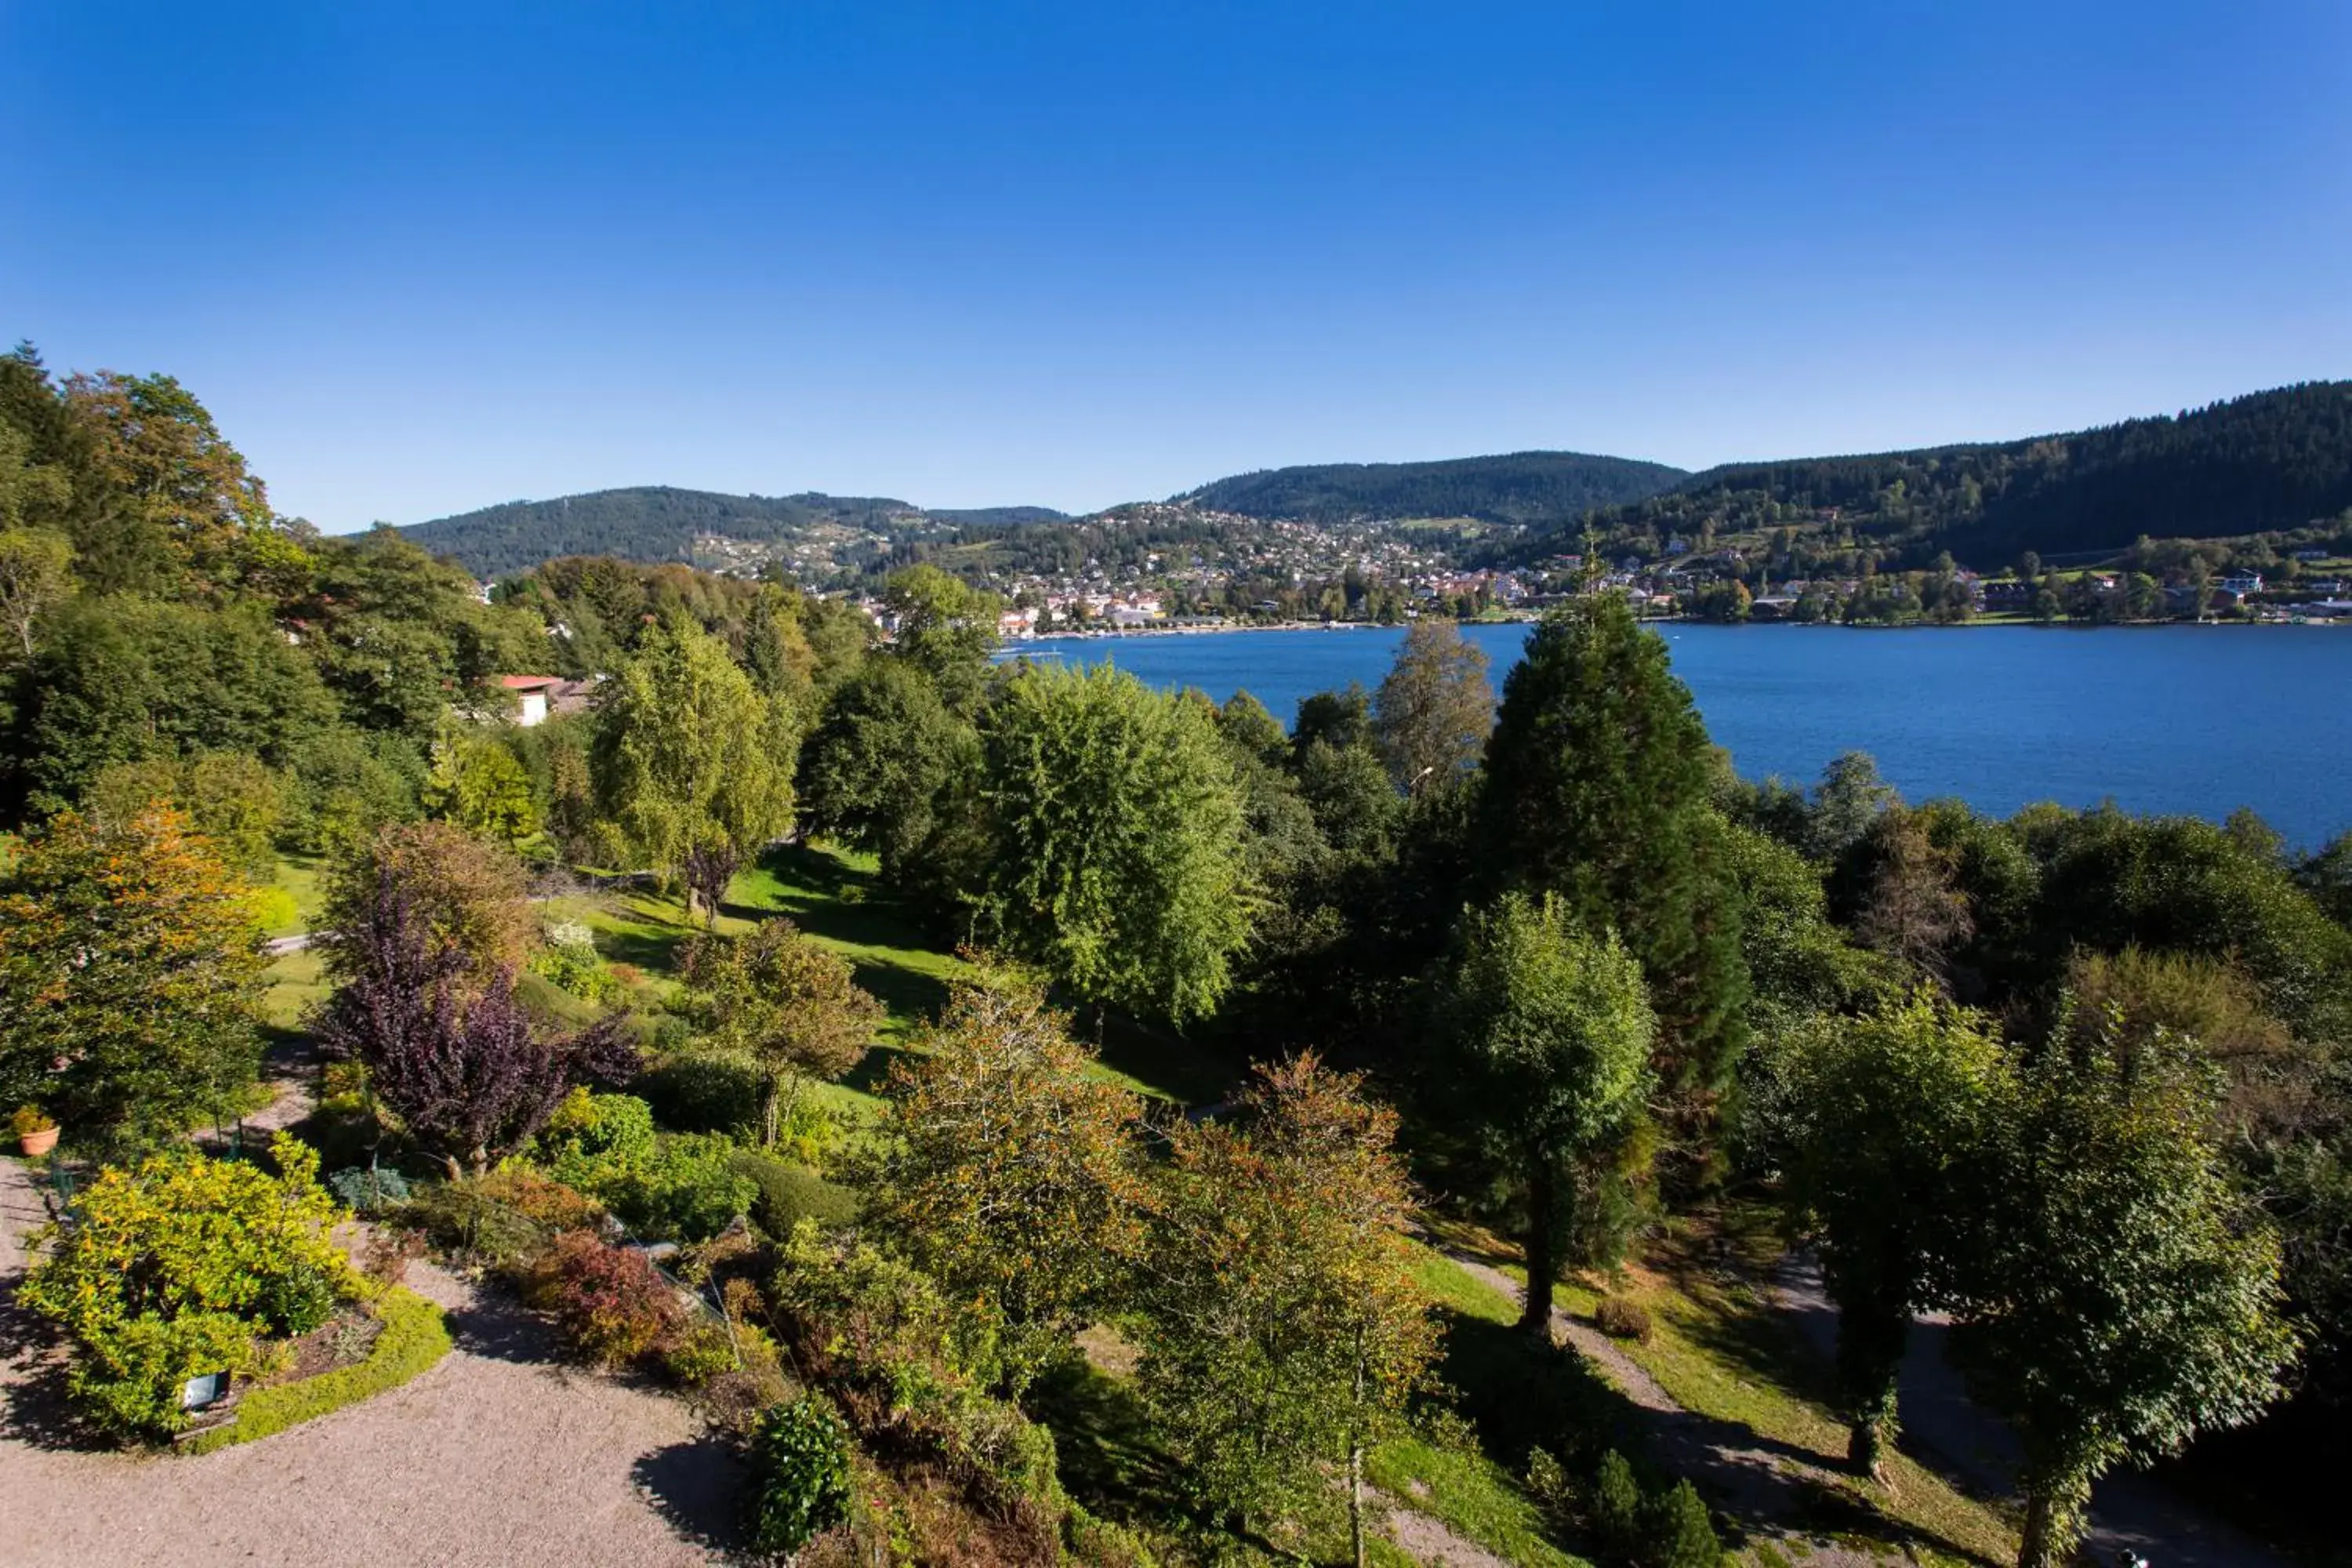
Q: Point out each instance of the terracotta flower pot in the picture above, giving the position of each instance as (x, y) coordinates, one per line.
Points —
(39, 1142)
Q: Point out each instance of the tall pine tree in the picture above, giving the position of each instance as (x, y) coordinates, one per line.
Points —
(1597, 793)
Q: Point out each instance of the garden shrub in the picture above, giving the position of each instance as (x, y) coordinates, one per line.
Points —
(610, 1304)
(902, 1359)
(705, 1091)
(1680, 1533)
(569, 962)
(368, 1189)
(503, 1220)
(1616, 1509)
(185, 1266)
(1621, 1317)
(676, 1188)
(415, 1335)
(698, 1354)
(789, 1193)
(1100, 1543)
(800, 1475)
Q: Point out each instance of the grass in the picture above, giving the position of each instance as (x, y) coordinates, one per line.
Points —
(414, 1336)
(1721, 1350)
(1470, 1494)
(296, 981)
(298, 876)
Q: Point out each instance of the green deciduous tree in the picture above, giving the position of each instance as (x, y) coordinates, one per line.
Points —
(36, 573)
(1282, 1329)
(129, 977)
(1009, 1170)
(1893, 1112)
(691, 759)
(1549, 1036)
(2126, 1296)
(946, 627)
(778, 997)
(1432, 712)
(1115, 833)
(1597, 782)
(874, 768)
(478, 783)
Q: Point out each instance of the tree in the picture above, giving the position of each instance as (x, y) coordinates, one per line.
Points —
(1846, 804)
(1597, 788)
(1892, 1110)
(777, 996)
(1113, 840)
(1282, 1326)
(2124, 1296)
(1915, 910)
(1008, 1169)
(879, 760)
(1432, 712)
(237, 803)
(468, 894)
(36, 572)
(471, 1075)
(947, 628)
(478, 783)
(1548, 1035)
(156, 447)
(129, 977)
(691, 757)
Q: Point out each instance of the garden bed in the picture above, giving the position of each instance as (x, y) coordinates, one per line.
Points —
(334, 1366)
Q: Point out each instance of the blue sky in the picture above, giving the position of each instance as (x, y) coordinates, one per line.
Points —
(420, 258)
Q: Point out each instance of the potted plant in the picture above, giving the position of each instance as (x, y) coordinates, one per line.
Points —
(37, 1134)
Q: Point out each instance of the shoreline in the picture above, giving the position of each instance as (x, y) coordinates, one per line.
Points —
(1006, 646)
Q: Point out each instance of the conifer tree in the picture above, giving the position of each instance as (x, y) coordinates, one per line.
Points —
(1597, 791)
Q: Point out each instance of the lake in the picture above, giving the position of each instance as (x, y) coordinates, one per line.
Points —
(2184, 718)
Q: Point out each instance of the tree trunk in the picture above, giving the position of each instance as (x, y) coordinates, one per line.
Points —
(1356, 1499)
(772, 1110)
(1542, 1247)
(2055, 1504)
(1865, 1447)
(1356, 1462)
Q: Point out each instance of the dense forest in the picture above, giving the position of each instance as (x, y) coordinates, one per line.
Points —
(1523, 488)
(658, 523)
(2272, 461)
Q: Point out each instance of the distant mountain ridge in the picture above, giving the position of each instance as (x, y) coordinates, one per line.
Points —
(2268, 462)
(659, 524)
(1515, 488)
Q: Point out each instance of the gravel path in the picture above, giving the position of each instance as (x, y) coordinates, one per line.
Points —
(1940, 1421)
(498, 1458)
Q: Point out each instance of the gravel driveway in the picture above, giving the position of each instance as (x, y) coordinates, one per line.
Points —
(498, 1458)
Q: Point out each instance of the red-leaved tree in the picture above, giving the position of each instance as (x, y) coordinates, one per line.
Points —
(467, 1068)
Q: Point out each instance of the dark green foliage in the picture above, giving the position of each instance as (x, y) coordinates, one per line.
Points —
(1597, 790)
(705, 1091)
(799, 1483)
(366, 1190)
(789, 1193)
(1681, 1534)
(1615, 1511)
(2271, 460)
(873, 769)
(1522, 487)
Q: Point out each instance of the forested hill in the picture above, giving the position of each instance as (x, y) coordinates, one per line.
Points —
(658, 523)
(1528, 487)
(2269, 461)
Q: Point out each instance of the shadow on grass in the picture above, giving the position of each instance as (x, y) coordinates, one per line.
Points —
(874, 1067)
(1109, 1459)
(697, 1487)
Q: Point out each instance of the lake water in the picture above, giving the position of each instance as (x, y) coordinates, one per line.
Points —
(2193, 720)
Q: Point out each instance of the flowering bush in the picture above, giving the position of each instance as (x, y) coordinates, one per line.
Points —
(185, 1267)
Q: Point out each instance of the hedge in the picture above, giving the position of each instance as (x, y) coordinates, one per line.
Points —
(414, 1336)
